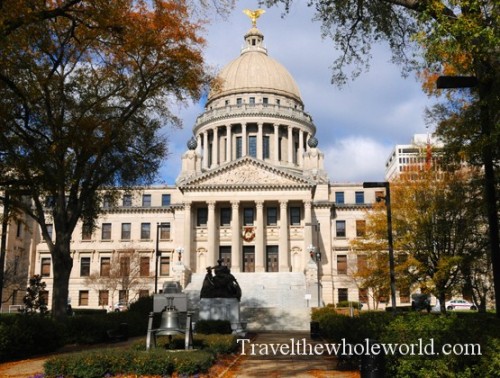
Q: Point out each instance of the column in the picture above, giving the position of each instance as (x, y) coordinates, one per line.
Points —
(260, 142)
(276, 143)
(300, 152)
(188, 235)
(284, 247)
(229, 143)
(259, 238)
(212, 244)
(236, 250)
(215, 147)
(308, 229)
(205, 149)
(198, 144)
(243, 139)
(290, 145)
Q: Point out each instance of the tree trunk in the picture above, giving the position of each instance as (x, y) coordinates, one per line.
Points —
(442, 301)
(62, 265)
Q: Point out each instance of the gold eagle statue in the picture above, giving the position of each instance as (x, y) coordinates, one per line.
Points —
(254, 15)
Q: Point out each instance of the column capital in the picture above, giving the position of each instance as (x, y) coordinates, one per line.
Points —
(235, 204)
(211, 204)
(283, 203)
(259, 204)
(308, 204)
(187, 204)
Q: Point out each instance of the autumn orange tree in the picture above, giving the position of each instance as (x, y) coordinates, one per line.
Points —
(86, 87)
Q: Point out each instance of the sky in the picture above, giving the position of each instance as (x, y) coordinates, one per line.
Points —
(358, 125)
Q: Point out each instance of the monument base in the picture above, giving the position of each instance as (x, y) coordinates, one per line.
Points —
(222, 309)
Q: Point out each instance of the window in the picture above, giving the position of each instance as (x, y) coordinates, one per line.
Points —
(165, 266)
(252, 101)
(124, 266)
(272, 216)
(360, 198)
(105, 266)
(339, 197)
(45, 267)
(143, 293)
(363, 295)
(83, 298)
(103, 297)
(145, 231)
(123, 296)
(266, 154)
(84, 266)
(86, 231)
(239, 101)
(144, 270)
(340, 228)
(239, 150)
(295, 216)
(404, 295)
(44, 297)
(248, 216)
(165, 199)
(164, 231)
(126, 227)
(360, 228)
(252, 146)
(201, 216)
(50, 230)
(341, 264)
(127, 200)
(265, 101)
(226, 103)
(225, 216)
(362, 263)
(19, 228)
(106, 202)
(343, 295)
(278, 102)
(106, 231)
(146, 200)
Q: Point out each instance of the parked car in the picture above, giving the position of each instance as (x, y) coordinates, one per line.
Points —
(460, 304)
(120, 306)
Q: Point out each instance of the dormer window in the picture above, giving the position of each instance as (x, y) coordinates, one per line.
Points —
(253, 42)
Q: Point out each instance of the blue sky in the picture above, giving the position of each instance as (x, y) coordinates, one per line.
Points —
(357, 125)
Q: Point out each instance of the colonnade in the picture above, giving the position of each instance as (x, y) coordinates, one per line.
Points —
(219, 136)
(258, 241)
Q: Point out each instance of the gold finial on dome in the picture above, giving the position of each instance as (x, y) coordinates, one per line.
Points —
(254, 15)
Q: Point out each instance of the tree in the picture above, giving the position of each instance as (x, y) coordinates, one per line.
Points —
(124, 274)
(35, 300)
(86, 88)
(459, 35)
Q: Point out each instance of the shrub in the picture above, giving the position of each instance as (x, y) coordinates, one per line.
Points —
(208, 327)
(343, 304)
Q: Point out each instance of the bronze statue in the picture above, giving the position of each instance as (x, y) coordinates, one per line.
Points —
(254, 15)
(221, 285)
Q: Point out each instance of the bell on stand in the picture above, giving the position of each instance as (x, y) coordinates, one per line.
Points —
(169, 324)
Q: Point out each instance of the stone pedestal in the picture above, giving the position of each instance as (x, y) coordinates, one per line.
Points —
(222, 309)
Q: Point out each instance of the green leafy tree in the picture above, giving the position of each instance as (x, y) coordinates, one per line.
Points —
(35, 299)
(86, 87)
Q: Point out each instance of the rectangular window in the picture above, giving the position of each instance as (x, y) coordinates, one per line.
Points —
(360, 198)
(84, 266)
(44, 297)
(45, 267)
(103, 297)
(404, 295)
(362, 263)
(360, 228)
(363, 295)
(278, 102)
(124, 266)
(225, 255)
(106, 231)
(239, 150)
(123, 296)
(143, 293)
(272, 216)
(340, 229)
(339, 197)
(126, 227)
(127, 200)
(341, 264)
(146, 200)
(239, 101)
(252, 101)
(86, 231)
(165, 266)
(252, 146)
(266, 153)
(248, 216)
(202, 216)
(50, 230)
(83, 298)
(343, 295)
(19, 228)
(107, 202)
(144, 270)
(265, 101)
(165, 199)
(145, 231)
(164, 231)
(226, 103)
(225, 216)
(105, 266)
(295, 216)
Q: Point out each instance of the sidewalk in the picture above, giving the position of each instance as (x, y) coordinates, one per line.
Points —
(295, 356)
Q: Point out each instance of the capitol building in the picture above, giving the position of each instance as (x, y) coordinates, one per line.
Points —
(252, 194)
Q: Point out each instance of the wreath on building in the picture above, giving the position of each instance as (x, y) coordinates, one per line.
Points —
(248, 234)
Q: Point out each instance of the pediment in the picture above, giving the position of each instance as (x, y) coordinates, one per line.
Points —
(248, 172)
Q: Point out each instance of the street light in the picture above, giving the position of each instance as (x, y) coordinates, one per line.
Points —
(316, 256)
(180, 251)
(387, 199)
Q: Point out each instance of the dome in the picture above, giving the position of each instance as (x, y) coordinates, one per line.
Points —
(255, 71)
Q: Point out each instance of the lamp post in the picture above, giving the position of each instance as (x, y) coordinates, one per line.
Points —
(387, 199)
(180, 251)
(316, 256)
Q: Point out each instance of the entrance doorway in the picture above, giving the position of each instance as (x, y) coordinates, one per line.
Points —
(272, 262)
(249, 259)
(225, 255)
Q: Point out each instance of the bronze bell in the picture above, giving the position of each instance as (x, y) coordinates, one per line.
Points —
(169, 323)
